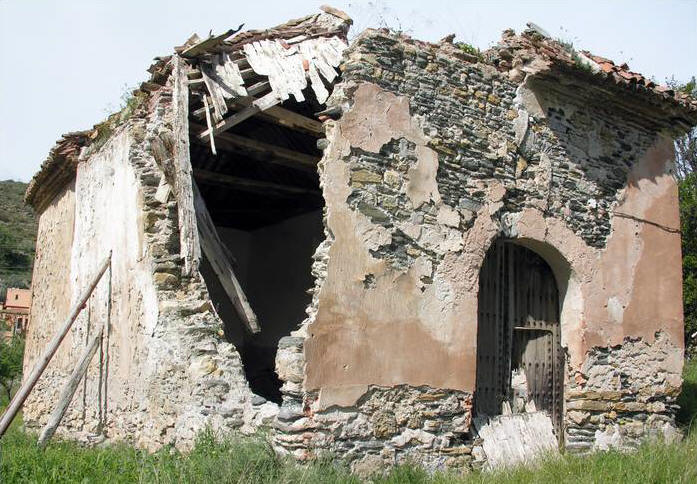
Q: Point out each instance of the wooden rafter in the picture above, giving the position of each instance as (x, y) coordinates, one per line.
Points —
(251, 106)
(257, 106)
(246, 184)
(261, 151)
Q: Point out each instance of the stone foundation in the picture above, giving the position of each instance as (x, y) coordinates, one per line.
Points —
(383, 427)
(623, 395)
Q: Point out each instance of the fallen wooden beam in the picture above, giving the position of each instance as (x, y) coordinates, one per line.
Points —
(219, 259)
(68, 392)
(214, 178)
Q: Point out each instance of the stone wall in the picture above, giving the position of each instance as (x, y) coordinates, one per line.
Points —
(164, 371)
(373, 426)
(623, 394)
(434, 155)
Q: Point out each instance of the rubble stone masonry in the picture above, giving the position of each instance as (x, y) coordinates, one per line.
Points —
(434, 155)
(165, 364)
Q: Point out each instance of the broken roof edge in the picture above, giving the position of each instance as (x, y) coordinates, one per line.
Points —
(528, 53)
(534, 54)
(56, 171)
(328, 22)
(538, 55)
(60, 165)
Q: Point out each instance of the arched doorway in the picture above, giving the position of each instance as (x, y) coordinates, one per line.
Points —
(518, 332)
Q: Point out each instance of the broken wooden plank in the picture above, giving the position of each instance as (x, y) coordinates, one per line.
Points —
(215, 91)
(228, 77)
(218, 257)
(188, 234)
(209, 43)
(209, 124)
(289, 66)
(247, 184)
(253, 90)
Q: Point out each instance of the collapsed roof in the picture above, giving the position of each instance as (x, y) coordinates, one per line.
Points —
(305, 52)
(229, 71)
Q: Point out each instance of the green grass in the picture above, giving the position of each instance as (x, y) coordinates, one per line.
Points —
(251, 460)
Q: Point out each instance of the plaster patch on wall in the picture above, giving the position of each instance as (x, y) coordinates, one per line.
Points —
(422, 186)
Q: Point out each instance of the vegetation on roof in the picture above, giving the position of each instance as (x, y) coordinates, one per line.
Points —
(131, 100)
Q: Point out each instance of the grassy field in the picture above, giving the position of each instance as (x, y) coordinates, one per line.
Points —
(250, 460)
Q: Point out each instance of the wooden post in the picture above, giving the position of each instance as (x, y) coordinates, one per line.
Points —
(41, 365)
(188, 234)
(69, 389)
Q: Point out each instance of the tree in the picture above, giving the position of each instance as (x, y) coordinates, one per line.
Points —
(686, 146)
(688, 226)
(686, 172)
(11, 357)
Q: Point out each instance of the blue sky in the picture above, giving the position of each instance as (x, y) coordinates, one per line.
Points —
(65, 64)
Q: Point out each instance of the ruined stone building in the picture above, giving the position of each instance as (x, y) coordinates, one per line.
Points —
(365, 246)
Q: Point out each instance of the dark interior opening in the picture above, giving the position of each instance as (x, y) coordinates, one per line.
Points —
(262, 192)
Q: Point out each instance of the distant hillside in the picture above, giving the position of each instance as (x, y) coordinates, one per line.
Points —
(17, 237)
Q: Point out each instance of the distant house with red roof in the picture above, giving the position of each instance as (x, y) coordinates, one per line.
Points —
(15, 312)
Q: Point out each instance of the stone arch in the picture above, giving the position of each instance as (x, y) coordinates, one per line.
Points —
(534, 232)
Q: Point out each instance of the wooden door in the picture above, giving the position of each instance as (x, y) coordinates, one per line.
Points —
(518, 327)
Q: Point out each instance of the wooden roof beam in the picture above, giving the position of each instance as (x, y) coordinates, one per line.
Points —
(275, 114)
(266, 109)
(261, 151)
(208, 177)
